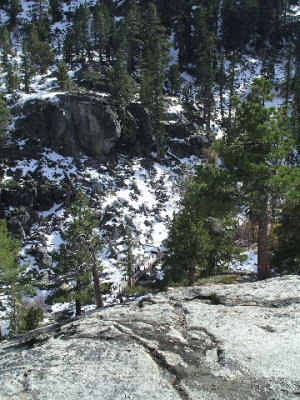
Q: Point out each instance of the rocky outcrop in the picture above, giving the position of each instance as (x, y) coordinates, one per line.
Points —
(72, 123)
(233, 342)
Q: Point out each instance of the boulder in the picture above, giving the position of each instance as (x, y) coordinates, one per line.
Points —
(71, 124)
(229, 342)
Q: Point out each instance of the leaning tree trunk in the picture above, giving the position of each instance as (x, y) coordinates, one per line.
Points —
(263, 256)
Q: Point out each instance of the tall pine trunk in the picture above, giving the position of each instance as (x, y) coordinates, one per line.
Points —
(97, 286)
(192, 275)
(263, 256)
(77, 307)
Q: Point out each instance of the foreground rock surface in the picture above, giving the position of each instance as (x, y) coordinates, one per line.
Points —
(212, 342)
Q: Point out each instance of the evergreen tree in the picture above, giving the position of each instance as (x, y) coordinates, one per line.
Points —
(285, 246)
(39, 9)
(103, 26)
(41, 53)
(78, 263)
(129, 260)
(69, 46)
(5, 45)
(14, 8)
(4, 116)
(27, 69)
(56, 10)
(121, 83)
(201, 239)
(154, 65)
(254, 152)
(296, 104)
(183, 31)
(81, 29)
(221, 78)
(132, 33)
(240, 19)
(12, 280)
(12, 79)
(63, 79)
(174, 79)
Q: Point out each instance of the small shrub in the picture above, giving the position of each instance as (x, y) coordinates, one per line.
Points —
(30, 318)
(219, 279)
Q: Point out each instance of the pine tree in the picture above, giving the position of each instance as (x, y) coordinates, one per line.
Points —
(296, 105)
(201, 239)
(103, 26)
(69, 46)
(12, 79)
(154, 66)
(121, 83)
(132, 33)
(4, 116)
(26, 68)
(78, 263)
(81, 29)
(56, 10)
(5, 45)
(63, 79)
(129, 260)
(174, 79)
(254, 152)
(285, 246)
(41, 53)
(39, 9)
(221, 78)
(14, 8)
(183, 31)
(12, 280)
(205, 59)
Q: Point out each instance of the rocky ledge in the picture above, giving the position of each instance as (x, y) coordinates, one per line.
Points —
(211, 342)
(71, 123)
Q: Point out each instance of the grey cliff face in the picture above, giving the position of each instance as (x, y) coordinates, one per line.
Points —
(230, 342)
(75, 123)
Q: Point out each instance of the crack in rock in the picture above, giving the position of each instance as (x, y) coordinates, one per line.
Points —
(159, 358)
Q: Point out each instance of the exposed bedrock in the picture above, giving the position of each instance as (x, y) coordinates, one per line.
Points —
(176, 345)
(71, 124)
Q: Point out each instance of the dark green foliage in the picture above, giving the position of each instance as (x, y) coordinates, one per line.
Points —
(30, 318)
(27, 69)
(154, 66)
(120, 82)
(56, 10)
(253, 151)
(14, 8)
(63, 80)
(240, 19)
(133, 28)
(174, 79)
(103, 28)
(201, 240)
(78, 41)
(40, 52)
(5, 45)
(12, 279)
(78, 265)
(12, 79)
(286, 250)
(296, 105)
(4, 116)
